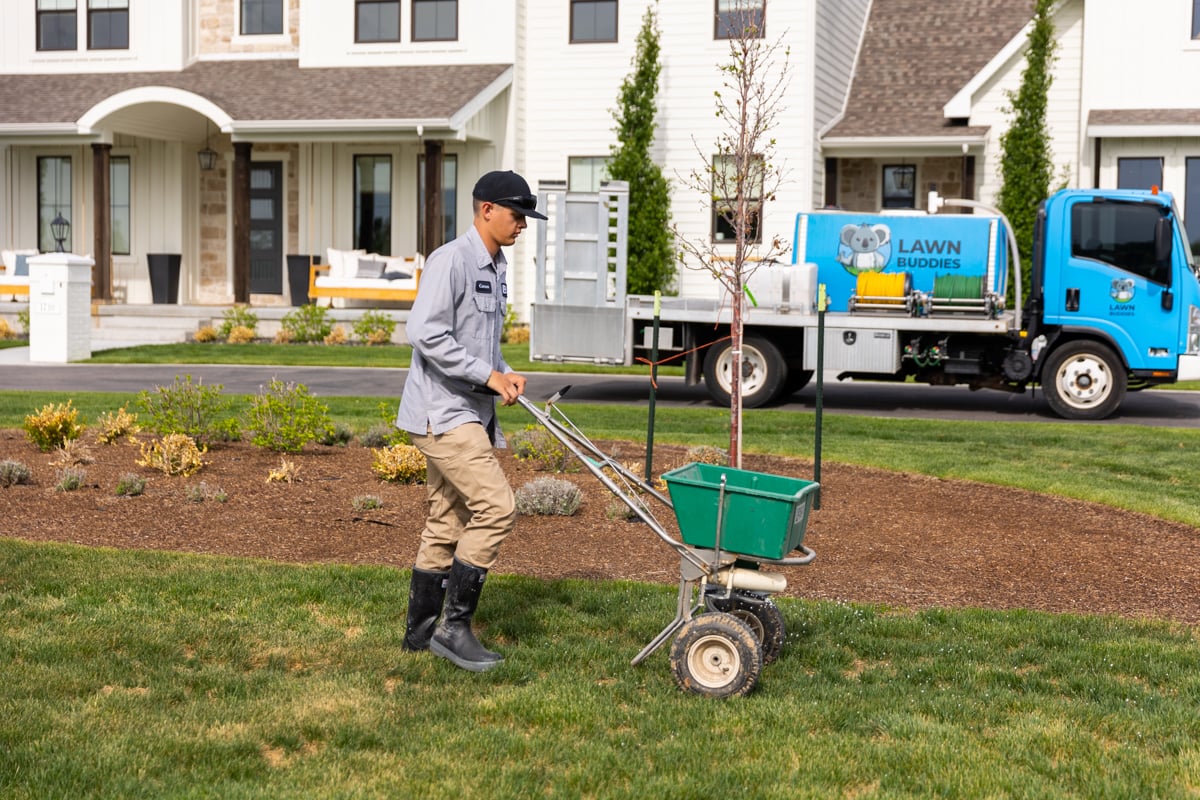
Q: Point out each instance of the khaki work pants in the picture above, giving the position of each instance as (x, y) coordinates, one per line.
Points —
(471, 505)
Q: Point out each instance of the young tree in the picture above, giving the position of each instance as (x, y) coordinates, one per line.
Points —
(739, 180)
(650, 254)
(1026, 168)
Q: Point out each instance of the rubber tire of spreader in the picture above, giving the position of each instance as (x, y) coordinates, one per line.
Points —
(716, 655)
(761, 614)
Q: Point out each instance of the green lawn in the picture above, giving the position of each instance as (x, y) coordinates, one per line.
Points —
(130, 674)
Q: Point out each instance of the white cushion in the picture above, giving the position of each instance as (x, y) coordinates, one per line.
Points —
(8, 258)
(366, 283)
(343, 263)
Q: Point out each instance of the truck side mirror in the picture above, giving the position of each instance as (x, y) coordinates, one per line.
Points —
(1163, 236)
(1168, 300)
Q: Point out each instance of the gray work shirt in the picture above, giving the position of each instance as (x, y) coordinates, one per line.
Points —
(454, 328)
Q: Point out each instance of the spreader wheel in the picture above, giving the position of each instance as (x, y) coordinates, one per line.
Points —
(760, 613)
(716, 655)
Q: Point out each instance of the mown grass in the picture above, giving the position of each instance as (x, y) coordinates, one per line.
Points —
(291, 355)
(129, 674)
(1151, 470)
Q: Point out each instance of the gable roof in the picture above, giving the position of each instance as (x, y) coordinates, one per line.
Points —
(260, 93)
(915, 57)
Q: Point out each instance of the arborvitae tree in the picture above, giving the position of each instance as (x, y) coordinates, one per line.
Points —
(1026, 168)
(651, 256)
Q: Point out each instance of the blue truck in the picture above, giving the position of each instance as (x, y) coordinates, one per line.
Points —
(1113, 306)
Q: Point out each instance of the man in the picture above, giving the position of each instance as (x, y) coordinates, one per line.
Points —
(449, 409)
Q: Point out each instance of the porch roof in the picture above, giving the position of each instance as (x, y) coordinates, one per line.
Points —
(262, 96)
(915, 57)
(1118, 123)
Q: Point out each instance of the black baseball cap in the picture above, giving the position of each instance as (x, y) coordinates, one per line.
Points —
(507, 188)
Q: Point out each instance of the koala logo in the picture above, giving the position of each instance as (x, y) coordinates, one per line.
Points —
(865, 248)
(1122, 290)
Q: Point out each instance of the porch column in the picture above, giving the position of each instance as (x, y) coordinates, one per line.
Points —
(241, 222)
(102, 241)
(433, 197)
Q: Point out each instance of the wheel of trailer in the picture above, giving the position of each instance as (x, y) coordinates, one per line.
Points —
(760, 613)
(1084, 380)
(716, 655)
(763, 371)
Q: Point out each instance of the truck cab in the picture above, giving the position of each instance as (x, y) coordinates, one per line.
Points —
(1115, 302)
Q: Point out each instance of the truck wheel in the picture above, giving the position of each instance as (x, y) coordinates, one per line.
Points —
(762, 371)
(1084, 380)
(716, 655)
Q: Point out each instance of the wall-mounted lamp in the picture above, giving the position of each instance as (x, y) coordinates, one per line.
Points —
(207, 157)
(59, 229)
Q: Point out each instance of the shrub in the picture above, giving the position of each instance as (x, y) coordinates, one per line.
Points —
(400, 463)
(200, 492)
(283, 417)
(114, 425)
(205, 334)
(6, 330)
(130, 485)
(519, 335)
(336, 336)
(383, 434)
(375, 327)
(241, 335)
(286, 472)
(339, 435)
(13, 473)
(366, 502)
(308, 323)
(538, 445)
(173, 454)
(283, 336)
(201, 412)
(548, 497)
(23, 320)
(53, 426)
(70, 479)
(707, 454)
(238, 317)
(618, 509)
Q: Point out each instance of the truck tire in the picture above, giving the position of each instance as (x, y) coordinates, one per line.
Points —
(1084, 380)
(763, 371)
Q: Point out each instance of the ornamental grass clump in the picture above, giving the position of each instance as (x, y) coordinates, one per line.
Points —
(286, 472)
(70, 479)
(400, 463)
(707, 454)
(14, 473)
(174, 454)
(53, 426)
(549, 497)
(284, 417)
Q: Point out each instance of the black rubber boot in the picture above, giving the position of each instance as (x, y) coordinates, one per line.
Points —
(453, 638)
(426, 592)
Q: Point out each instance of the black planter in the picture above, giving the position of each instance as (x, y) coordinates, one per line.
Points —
(164, 276)
(298, 278)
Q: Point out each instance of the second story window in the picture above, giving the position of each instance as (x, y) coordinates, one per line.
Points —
(261, 17)
(738, 18)
(377, 21)
(108, 24)
(726, 184)
(56, 25)
(1196, 19)
(435, 20)
(593, 20)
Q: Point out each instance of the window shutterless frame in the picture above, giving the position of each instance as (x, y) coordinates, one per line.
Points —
(261, 17)
(108, 24)
(56, 25)
(735, 17)
(593, 21)
(377, 20)
(434, 20)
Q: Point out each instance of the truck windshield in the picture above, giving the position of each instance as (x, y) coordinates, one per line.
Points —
(1120, 234)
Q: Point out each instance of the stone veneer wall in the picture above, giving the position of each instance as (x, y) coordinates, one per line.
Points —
(216, 228)
(217, 29)
(859, 180)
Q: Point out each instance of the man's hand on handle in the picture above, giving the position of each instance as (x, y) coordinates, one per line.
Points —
(509, 386)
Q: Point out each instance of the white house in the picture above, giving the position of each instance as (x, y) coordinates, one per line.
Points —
(328, 120)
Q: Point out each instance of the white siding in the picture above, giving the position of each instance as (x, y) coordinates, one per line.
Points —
(839, 30)
(158, 36)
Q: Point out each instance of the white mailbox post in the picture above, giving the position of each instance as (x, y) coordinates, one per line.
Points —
(60, 307)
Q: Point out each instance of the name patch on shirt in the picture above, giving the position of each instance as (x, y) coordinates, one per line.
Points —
(504, 288)
(483, 287)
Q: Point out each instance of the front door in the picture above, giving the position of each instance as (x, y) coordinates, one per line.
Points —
(266, 228)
